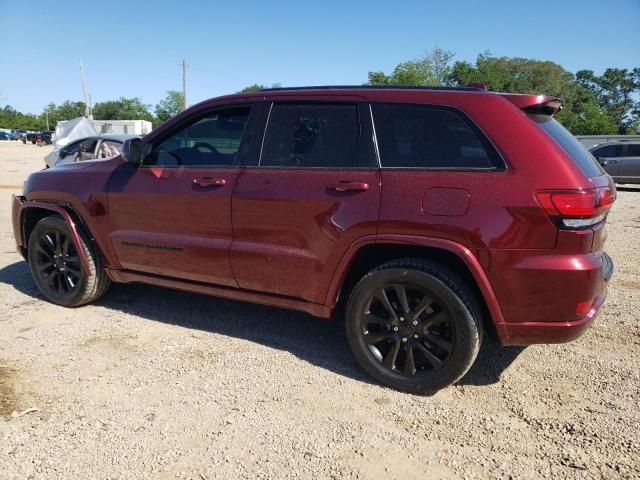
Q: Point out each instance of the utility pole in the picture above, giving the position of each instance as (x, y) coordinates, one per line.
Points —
(184, 84)
(87, 101)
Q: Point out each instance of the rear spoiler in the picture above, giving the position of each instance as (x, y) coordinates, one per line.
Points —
(535, 103)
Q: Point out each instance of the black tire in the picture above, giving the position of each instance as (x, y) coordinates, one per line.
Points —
(56, 266)
(404, 344)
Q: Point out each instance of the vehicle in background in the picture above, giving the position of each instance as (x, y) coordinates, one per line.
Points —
(621, 160)
(45, 137)
(7, 135)
(89, 148)
(424, 218)
(117, 127)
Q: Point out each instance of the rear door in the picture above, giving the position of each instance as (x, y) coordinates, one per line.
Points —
(609, 157)
(311, 191)
(630, 164)
(172, 215)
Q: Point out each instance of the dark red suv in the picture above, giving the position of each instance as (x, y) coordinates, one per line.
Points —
(423, 217)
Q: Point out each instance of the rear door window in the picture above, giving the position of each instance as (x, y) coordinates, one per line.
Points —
(425, 136)
(308, 135)
(570, 144)
(633, 150)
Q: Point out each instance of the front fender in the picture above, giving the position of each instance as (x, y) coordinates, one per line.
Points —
(21, 205)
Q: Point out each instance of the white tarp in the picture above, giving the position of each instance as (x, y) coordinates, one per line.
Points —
(72, 130)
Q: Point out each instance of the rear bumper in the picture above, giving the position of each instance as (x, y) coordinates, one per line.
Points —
(539, 331)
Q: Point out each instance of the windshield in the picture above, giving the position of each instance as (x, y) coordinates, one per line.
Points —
(570, 144)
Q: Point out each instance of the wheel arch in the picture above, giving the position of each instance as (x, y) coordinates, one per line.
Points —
(371, 252)
(31, 212)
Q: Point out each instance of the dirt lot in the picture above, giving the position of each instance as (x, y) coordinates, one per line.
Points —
(153, 383)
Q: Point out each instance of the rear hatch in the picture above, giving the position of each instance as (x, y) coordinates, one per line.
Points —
(583, 209)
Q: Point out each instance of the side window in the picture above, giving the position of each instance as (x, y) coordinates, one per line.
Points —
(423, 136)
(211, 141)
(72, 148)
(633, 150)
(311, 135)
(88, 149)
(608, 151)
(109, 148)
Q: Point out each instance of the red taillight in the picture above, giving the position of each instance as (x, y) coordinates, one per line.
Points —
(577, 209)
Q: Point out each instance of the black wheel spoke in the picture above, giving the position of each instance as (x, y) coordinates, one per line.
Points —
(44, 266)
(51, 279)
(439, 341)
(74, 271)
(72, 259)
(431, 358)
(391, 357)
(381, 295)
(436, 319)
(65, 246)
(409, 362)
(58, 243)
(425, 303)
(48, 242)
(401, 293)
(373, 338)
(369, 318)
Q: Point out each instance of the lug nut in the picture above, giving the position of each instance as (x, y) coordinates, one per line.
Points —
(395, 329)
(404, 339)
(415, 335)
(415, 322)
(402, 319)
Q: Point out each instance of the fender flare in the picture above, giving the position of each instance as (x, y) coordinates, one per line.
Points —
(462, 252)
(64, 213)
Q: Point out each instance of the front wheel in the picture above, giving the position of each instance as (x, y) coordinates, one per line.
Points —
(413, 326)
(57, 268)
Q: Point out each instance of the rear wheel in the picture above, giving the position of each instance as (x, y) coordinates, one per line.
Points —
(57, 267)
(413, 326)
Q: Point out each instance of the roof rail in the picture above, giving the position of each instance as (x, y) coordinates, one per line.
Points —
(359, 87)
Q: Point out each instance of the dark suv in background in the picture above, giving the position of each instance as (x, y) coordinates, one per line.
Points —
(422, 218)
(621, 160)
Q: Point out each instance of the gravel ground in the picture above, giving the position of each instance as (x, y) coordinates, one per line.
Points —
(154, 383)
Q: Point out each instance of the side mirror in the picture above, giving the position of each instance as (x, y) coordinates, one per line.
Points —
(132, 151)
(63, 153)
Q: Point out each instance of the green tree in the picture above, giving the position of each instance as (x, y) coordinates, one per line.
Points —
(581, 113)
(170, 105)
(434, 69)
(122, 109)
(615, 90)
(257, 87)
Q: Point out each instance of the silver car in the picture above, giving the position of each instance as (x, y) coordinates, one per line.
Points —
(621, 160)
(88, 148)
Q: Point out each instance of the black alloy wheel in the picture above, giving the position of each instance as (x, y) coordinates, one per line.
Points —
(407, 329)
(57, 263)
(414, 325)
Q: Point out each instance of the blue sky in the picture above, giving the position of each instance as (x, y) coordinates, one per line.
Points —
(133, 49)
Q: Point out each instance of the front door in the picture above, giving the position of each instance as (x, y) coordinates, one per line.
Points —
(172, 215)
(314, 190)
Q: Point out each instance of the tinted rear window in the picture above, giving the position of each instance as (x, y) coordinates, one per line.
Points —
(423, 136)
(570, 144)
(311, 135)
(608, 151)
(633, 150)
